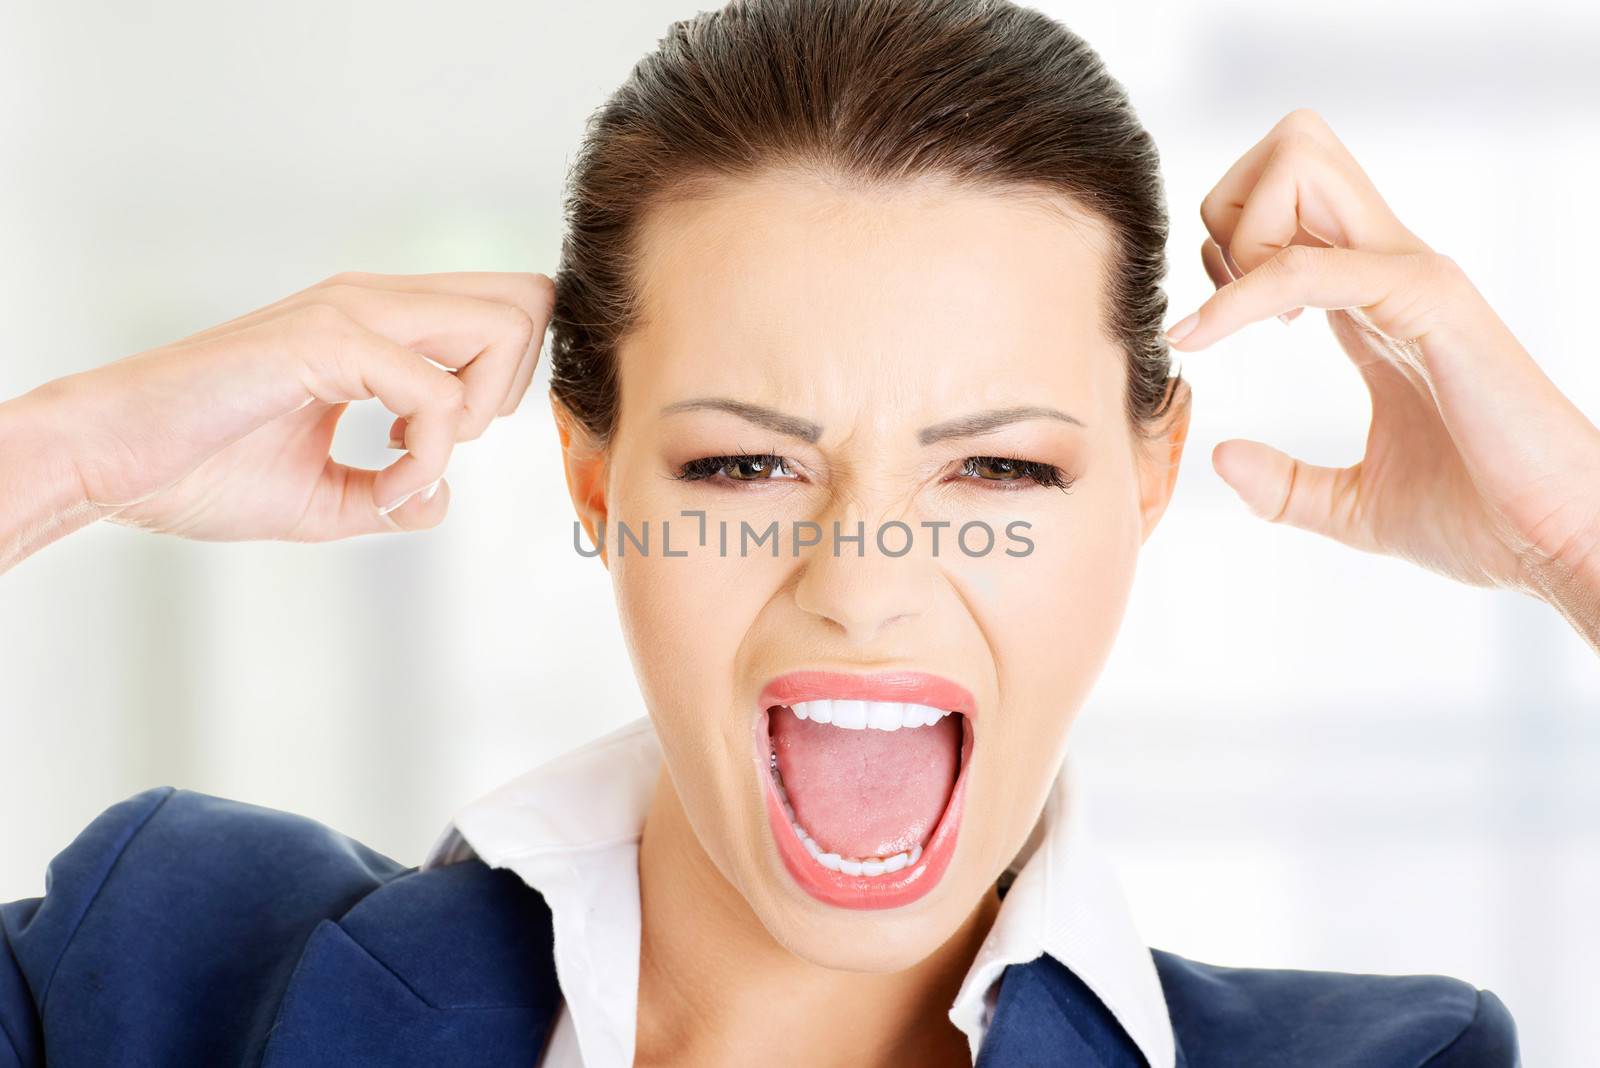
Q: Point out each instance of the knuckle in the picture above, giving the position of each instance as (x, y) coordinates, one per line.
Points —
(540, 290)
(522, 325)
(452, 392)
(1303, 120)
(320, 317)
(1439, 274)
(1296, 259)
(335, 292)
(1443, 268)
(1298, 142)
(343, 278)
(320, 339)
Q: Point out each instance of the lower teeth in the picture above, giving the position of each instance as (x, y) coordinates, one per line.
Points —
(833, 861)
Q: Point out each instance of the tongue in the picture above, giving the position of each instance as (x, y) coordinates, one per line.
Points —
(866, 793)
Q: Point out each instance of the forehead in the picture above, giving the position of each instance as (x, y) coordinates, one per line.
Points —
(796, 286)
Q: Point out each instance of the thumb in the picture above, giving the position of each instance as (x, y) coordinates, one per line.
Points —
(1280, 489)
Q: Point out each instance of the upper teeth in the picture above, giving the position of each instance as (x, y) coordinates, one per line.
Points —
(879, 715)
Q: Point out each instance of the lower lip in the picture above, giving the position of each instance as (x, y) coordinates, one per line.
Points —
(842, 890)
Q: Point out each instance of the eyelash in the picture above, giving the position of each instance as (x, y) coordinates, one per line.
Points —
(711, 466)
(1041, 474)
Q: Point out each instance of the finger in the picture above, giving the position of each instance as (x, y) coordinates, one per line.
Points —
(523, 378)
(533, 293)
(421, 510)
(1298, 195)
(1280, 489)
(484, 340)
(1301, 193)
(340, 360)
(1401, 295)
(1316, 193)
(340, 507)
(514, 395)
(1215, 260)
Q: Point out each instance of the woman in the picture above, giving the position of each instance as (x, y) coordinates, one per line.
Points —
(865, 402)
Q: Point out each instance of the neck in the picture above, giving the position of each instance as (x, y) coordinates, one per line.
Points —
(716, 988)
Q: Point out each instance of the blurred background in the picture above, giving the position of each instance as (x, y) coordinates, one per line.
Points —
(1299, 755)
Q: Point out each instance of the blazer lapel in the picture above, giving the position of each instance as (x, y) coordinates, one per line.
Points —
(1046, 1015)
(451, 966)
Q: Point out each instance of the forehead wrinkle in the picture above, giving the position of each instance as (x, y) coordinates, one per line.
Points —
(710, 226)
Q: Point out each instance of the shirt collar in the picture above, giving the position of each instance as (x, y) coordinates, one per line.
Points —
(570, 829)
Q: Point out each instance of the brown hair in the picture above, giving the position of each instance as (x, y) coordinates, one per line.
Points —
(978, 91)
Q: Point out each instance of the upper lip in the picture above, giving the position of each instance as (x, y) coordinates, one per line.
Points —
(910, 687)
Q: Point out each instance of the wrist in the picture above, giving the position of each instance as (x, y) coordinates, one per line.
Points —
(1585, 568)
(1569, 581)
(41, 493)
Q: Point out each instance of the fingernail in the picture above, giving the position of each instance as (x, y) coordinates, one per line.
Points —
(433, 487)
(397, 442)
(1183, 328)
(389, 508)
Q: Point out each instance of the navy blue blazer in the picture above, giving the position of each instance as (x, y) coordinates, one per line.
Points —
(180, 929)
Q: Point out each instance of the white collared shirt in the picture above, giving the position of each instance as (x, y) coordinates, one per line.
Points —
(570, 829)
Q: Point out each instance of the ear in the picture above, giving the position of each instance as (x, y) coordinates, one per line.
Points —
(1159, 456)
(585, 466)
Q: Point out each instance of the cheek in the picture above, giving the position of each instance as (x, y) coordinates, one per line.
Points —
(685, 619)
(1051, 616)
(685, 615)
(682, 650)
(688, 616)
(687, 622)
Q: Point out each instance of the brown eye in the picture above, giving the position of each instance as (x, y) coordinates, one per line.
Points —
(753, 468)
(741, 467)
(1005, 469)
(997, 468)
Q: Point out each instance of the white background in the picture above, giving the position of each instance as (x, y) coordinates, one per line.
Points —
(1300, 755)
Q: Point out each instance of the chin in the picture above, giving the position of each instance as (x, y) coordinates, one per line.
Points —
(870, 942)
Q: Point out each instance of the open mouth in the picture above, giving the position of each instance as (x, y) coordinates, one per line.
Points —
(865, 777)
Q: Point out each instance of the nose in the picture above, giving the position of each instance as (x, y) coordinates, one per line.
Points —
(870, 583)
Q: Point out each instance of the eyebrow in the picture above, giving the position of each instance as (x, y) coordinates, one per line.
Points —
(793, 426)
(967, 426)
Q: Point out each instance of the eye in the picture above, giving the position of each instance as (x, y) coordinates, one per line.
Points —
(737, 467)
(1005, 469)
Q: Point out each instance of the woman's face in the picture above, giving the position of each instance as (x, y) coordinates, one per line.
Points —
(927, 355)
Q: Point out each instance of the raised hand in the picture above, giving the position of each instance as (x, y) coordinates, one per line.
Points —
(225, 435)
(1476, 465)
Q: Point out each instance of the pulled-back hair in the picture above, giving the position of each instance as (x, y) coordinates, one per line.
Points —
(981, 92)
